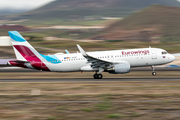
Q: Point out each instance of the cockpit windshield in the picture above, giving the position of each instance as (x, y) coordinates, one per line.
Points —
(164, 52)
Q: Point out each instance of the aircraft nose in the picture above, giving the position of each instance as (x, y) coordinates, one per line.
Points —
(172, 57)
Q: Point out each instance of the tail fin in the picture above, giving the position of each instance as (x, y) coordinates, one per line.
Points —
(25, 53)
(23, 50)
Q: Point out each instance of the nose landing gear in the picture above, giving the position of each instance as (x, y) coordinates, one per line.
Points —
(153, 73)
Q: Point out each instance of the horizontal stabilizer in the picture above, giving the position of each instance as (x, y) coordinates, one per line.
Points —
(21, 61)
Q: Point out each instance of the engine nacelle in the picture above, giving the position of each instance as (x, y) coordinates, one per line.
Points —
(121, 68)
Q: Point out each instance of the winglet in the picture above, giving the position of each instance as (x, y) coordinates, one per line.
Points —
(81, 50)
(67, 51)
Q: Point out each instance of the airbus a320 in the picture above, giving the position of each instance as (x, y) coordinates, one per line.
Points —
(113, 62)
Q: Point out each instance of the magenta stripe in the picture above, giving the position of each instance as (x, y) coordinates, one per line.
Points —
(31, 57)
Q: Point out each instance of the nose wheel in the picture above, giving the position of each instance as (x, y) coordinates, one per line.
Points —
(153, 73)
(98, 76)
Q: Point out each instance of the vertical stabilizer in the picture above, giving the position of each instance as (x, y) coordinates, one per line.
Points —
(26, 53)
(21, 47)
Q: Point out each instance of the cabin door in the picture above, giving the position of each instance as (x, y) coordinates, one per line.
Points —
(153, 54)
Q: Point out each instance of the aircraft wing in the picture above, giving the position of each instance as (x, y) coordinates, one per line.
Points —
(96, 63)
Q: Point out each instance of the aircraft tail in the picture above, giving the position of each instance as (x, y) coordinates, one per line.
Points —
(23, 50)
(26, 55)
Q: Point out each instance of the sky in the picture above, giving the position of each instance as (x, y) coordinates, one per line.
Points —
(22, 4)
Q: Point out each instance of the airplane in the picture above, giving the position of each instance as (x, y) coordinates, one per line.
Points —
(114, 62)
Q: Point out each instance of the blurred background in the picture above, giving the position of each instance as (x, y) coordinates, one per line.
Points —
(52, 26)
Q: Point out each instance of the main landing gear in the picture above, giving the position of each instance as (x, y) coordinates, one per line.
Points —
(153, 73)
(98, 76)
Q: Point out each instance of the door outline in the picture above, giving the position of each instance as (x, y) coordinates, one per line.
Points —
(153, 54)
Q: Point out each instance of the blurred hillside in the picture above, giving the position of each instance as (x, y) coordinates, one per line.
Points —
(156, 23)
(79, 10)
(144, 28)
(11, 11)
(102, 4)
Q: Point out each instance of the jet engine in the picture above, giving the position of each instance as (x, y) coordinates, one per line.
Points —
(120, 68)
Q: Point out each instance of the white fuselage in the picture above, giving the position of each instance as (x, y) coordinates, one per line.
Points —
(136, 58)
(114, 62)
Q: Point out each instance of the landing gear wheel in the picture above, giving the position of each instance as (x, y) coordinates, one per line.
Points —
(154, 73)
(95, 76)
(100, 76)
